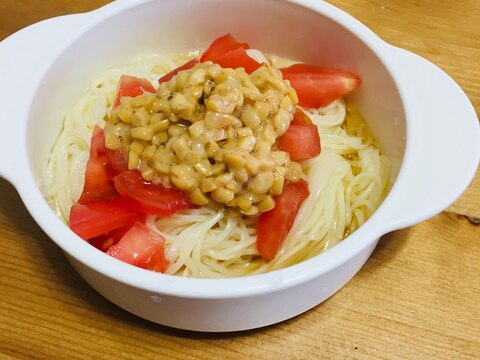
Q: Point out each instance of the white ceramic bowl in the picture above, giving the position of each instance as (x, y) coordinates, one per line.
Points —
(412, 106)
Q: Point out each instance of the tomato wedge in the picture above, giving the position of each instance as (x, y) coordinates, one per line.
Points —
(98, 172)
(318, 86)
(103, 242)
(221, 46)
(142, 247)
(171, 74)
(301, 140)
(148, 197)
(300, 118)
(238, 58)
(132, 86)
(227, 52)
(118, 160)
(101, 217)
(274, 225)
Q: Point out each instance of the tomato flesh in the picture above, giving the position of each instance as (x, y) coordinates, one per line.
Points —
(98, 173)
(142, 247)
(118, 160)
(227, 52)
(148, 197)
(274, 225)
(100, 217)
(221, 46)
(238, 58)
(103, 242)
(132, 86)
(300, 118)
(302, 142)
(318, 86)
(171, 74)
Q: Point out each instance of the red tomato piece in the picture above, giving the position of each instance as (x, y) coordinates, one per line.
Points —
(318, 86)
(142, 247)
(221, 46)
(118, 160)
(171, 74)
(302, 142)
(101, 217)
(132, 86)
(103, 242)
(300, 118)
(274, 225)
(238, 58)
(150, 198)
(98, 173)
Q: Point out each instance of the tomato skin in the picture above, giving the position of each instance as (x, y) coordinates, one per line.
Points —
(318, 86)
(221, 46)
(238, 58)
(171, 74)
(142, 247)
(132, 86)
(302, 142)
(100, 217)
(150, 198)
(98, 173)
(274, 225)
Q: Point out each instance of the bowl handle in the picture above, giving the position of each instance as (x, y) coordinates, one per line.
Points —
(443, 141)
(22, 57)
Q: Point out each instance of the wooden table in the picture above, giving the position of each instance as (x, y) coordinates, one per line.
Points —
(418, 297)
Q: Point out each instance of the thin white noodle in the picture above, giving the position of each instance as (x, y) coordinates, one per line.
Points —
(347, 182)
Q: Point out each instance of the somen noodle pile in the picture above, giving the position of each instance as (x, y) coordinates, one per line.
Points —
(347, 183)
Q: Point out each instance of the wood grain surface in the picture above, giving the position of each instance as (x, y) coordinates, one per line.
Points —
(416, 298)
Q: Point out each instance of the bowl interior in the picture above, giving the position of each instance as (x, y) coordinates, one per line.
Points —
(277, 27)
